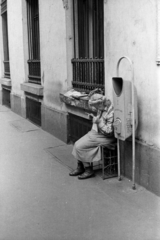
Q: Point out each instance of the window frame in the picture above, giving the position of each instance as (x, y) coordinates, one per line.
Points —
(33, 31)
(88, 61)
(4, 17)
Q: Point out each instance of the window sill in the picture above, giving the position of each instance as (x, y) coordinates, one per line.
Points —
(78, 103)
(6, 82)
(74, 102)
(32, 88)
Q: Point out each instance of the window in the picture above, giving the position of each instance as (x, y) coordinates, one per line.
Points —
(5, 38)
(88, 61)
(33, 41)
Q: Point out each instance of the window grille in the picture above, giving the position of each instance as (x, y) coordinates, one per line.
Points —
(34, 65)
(88, 61)
(5, 38)
(33, 110)
(6, 101)
(3, 6)
(78, 127)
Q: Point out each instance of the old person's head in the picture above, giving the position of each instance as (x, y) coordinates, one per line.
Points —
(99, 101)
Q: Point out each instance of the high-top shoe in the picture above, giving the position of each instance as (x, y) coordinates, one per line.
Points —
(87, 174)
(79, 170)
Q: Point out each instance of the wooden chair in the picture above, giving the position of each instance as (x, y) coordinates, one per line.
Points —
(108, 163)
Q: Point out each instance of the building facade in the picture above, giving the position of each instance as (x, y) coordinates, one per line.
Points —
(49, 47)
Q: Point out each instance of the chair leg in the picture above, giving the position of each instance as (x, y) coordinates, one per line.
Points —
(108, 163)
(102, 155)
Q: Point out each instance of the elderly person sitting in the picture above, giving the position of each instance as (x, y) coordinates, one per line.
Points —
(87, 149)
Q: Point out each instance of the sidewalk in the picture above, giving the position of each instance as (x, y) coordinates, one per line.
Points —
(40, 201)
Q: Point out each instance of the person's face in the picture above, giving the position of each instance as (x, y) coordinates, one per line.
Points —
(100, 106)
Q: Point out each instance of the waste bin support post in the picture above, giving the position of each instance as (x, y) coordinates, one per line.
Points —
(133, 125)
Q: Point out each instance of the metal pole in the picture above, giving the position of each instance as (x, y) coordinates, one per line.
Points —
(133, 133)
(119, 167)
(133, 122)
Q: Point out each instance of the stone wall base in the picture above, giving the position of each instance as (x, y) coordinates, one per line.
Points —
(55, 122)
(147, 169)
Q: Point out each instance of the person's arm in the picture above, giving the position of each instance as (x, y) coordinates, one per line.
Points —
(105, 123)
(94, 118)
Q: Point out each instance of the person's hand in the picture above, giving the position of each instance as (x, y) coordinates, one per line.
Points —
(96, 119)
(90, 116)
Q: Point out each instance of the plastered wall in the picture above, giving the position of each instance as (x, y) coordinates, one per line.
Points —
(53, 51)
(1, 50)
(130, 30)
(16, 48)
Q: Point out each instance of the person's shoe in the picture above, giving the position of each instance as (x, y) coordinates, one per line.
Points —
(76, 172)
(87, 174)
(80, 170)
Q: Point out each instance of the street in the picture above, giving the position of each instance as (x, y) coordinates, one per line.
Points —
(40, 201)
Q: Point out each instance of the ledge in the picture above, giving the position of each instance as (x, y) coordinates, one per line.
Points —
(32, 88)
(6, 82)
(78, 103)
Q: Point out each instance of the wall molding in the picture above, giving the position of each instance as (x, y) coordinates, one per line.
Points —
(65, 4)
(158, 33)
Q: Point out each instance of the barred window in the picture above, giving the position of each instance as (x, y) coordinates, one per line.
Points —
(5, 38)
(88, 61)
(34, 64)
